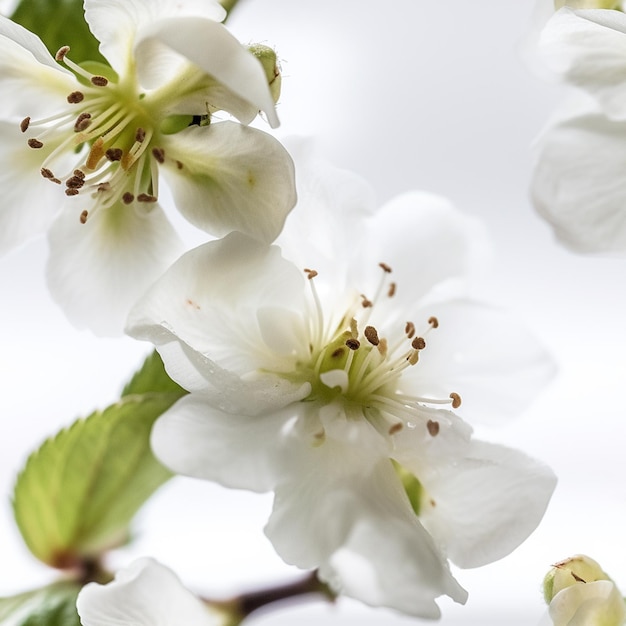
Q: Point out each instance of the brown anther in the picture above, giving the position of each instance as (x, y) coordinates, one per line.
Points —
(577, 578)
(82, 122)
(46, 173)
(409, 329)
(104, 186)
(145, 197)
(353, 344)
(140, 135)
(371, 334)
(433, 321)
(396, 428)
(75, 97)
(391, 292)
(74, 182)
(433, 428)
(79, 174)
(456, 400)
(127, 198)
(385, 268)
(159, 154)
(365, 303)
(71, 192)
(24, 124)
(418, 343)
(61, 53)
(432, 503)
(338, 353)
(179, 165)
(83, 217)
(310, 274)
(35, 143)
(99, 81)
(114, 154)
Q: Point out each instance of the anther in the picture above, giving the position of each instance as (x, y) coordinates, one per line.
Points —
(456, 400)
(433, 428)
(127, 198)
(418, 343)
(47, 174)
(114, 154)
(310, 274)
(35, 143)
(409, 329)
(99, 81)
(61, 53)
(433, 321)
(391, 292)
(71, 192)
(24, 124)
(140, 135)
(79, 174)
(397, 427)
(83, 217)
(75, 97)
(385, 268)
(159, 154)
(82, 122)
(353, 344)
(105, 186)
(179, 165)
(338, 353)
(145, 197)
(74, 182)
(371, 335)
(365, 303)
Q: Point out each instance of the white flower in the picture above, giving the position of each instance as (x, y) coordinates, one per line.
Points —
(146, 593)
(335, 391)
(578, 183)
(87, 146)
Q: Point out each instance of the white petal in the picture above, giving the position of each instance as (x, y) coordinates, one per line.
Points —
(33, 83)
(195, 439)
(208, 45)
(210, 299)
(486, 504)
(115, 23)
(232, 178)
(578, 184)
(597, 603)
(589, 48)
(491, 360)
(144, 594)
(96, 271)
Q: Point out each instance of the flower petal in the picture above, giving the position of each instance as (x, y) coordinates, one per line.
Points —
(598, 602)
(211, 47)
(578, 184)
(97, 270)
(589, 48)
(485, 505)
(32, 81)
(116, 23)
(144, 594)
(226, 177)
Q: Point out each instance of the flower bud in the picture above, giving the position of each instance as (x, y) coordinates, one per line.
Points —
(580, 592)
(587, 4)
(269, 61)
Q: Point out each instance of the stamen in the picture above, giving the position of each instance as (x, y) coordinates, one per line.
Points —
(310, 274)
(433, 428)
(114, 154)
(385, 268)
(371, 334)
(433, 321)
(99, 81)
(409, 329)
(145, 197)
(75, 182)
(140, 135)
(61, 52)
(353, 344)
(365, 303)
(71, 192)
(83, 217)
(392, 290)
(418, 343)
(396, 428)
(179, 165)
(338, 353)
(24, 124)
(159, 154)
(79, 174)
(83, 121)
(382, 347)
(46, 173)
(35, 144)
(354, 328)
(456, 400)
(75, 97)
(127, 198)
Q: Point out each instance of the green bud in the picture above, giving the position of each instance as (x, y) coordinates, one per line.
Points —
(588, 4)
(269, 61)
(577, 569)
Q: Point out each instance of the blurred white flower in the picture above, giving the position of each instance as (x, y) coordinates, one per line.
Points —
(86, 145)
(146, 593)
(333, 387)
(580, 593)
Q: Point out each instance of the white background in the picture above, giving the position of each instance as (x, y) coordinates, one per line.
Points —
(410, 94)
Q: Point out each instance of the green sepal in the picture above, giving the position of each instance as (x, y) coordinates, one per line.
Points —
(152, 377)
(59, 23)
(54, 605)
(78, 492)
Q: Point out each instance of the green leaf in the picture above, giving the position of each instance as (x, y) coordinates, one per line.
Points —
(59, 23)
(152, 377)
(54, 605)
(78, 493)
